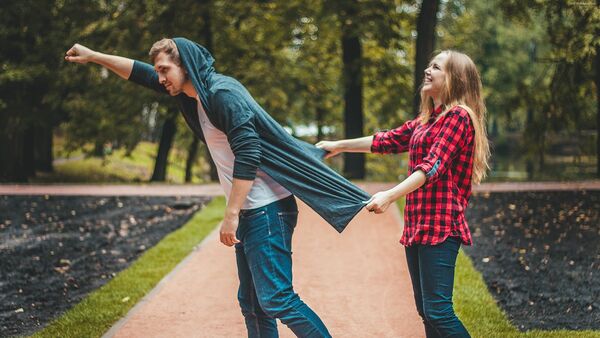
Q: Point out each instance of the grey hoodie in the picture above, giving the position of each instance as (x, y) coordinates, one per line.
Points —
(256, 139)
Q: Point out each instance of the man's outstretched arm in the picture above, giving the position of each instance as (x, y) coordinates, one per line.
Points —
(129, 69)
(119, 65)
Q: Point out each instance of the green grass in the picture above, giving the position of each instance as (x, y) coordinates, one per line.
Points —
(93, 170)
(116, 167)
(93, 316)
(474, 304)
(480, 313)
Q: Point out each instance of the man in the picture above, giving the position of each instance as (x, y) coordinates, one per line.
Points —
(260, 166)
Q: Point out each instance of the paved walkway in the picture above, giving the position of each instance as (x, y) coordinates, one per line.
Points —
(112, 189)
(357, 282)
(215, 189)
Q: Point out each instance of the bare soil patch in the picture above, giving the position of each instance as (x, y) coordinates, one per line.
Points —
(539, 254)
(54, 250)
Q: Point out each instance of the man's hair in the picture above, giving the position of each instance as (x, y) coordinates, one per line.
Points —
(166, 46)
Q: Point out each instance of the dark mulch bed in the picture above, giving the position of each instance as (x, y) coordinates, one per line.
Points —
(55, 250)
(539, 253)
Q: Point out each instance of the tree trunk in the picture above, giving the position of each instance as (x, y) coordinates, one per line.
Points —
(208, 40)
(214, 175)
(191, 159)
(541, 154)
(29, 139)
(98, 149)
(166, 141)
(354, 163)
(529, 161)
(426, 23)
(598, 102)
(597, 111)
(43, 149)
(320, 112)
(11, 156)
(494, 127)
(5, 158)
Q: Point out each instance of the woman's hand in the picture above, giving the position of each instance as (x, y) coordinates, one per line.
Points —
(380, 201)
(332, 147)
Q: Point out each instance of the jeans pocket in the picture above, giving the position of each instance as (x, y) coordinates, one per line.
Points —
(287, 223)
(252, 214)
(288, 218)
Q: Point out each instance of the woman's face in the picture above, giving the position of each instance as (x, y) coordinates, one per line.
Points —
(435, 76)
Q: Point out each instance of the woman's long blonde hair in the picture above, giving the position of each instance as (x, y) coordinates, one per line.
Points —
(462, 87)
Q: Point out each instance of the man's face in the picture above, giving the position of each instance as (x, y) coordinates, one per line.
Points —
(170, 75)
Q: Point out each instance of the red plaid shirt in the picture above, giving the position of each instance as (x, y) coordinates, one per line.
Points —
(443, 150)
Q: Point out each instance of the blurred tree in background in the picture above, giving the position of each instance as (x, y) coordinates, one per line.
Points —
(33, 35)
(323, 69)
(537, 63)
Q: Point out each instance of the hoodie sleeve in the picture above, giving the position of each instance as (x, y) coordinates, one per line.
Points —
(144, 74)
(237, 121)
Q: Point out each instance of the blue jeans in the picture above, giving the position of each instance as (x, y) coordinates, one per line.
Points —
(264, 260)
(431, 269)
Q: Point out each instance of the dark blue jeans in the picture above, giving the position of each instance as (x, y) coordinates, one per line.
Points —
(431, 270)
(264, 260)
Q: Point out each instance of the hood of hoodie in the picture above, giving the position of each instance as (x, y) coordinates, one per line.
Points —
(198, 63)
(294, 164)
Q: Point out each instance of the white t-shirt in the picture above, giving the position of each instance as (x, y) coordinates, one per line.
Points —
(264, 190)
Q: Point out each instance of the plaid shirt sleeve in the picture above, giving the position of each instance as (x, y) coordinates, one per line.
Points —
(393, 141)
(446, 145)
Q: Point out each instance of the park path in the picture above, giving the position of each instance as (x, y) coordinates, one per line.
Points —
(357, 282)
(215, 189)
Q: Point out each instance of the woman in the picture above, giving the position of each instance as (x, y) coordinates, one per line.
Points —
(448, 150)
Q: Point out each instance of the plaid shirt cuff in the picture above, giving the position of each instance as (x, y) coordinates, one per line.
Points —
(429, 169)
(376, 145)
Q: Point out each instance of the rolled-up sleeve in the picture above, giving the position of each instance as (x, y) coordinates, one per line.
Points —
(393, 141)
(237, 121)
(448, 143)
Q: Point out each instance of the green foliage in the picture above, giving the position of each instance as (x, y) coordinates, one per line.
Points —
(536, 61)
(535, 58)
(285, 53)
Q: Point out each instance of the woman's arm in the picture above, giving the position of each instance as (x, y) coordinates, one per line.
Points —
(385, 142)
(356, 145)
(382, 200)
